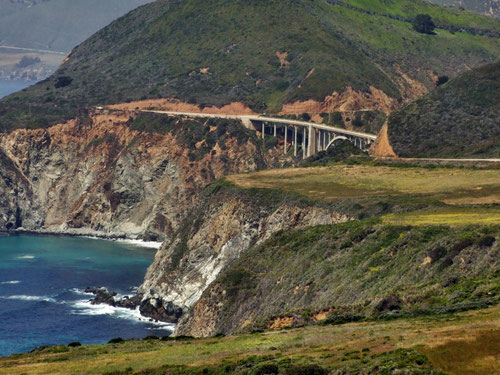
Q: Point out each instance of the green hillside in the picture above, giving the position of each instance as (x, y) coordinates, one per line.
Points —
(427, 346)
(358, 270)
(218, 51)
(460, 118)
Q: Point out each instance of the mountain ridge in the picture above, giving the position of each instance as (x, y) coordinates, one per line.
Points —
(265, 55)
(459, 118)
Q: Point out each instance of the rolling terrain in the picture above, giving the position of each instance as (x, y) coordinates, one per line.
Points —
(278, 221)
(458, 118)
(371, 295)
(340, 263)
(430, 346)
(290, 56)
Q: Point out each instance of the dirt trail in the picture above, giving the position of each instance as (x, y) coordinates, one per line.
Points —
(349, 100)
(236, 108)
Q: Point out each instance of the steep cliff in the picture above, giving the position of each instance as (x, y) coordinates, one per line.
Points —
(225, 224)
(348, 272)
(118, 173)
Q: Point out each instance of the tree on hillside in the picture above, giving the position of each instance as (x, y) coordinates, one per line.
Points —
(423, 24)
(442, 80)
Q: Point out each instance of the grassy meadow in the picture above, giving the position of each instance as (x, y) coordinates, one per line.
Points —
(453, 186)
(466, 343)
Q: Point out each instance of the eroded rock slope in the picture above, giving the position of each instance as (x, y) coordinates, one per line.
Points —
(115, 175)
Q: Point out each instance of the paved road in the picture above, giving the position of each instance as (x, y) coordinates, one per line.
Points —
(371, 137)
(34, 50)
(437, 159)
(275, 120)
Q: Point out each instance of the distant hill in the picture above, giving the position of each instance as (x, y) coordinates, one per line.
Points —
(458, 119)
(57, 25)
(263, 53)
(489, 7)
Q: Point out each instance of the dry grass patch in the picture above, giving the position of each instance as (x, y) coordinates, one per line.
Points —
(453, 217)
(479, 355)
(473, 335)
(348, 181)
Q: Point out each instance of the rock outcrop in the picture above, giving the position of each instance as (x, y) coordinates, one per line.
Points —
(95, 175)
(347, 272)
(222, 227)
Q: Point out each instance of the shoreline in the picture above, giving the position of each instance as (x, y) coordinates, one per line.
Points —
(87, 234)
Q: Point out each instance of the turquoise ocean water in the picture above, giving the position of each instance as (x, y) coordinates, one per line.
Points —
(42, 279)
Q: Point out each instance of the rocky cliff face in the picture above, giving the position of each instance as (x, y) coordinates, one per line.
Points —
(214, 235)
(96, 175)
(347, 272)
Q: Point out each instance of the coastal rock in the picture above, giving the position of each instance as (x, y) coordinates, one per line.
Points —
(129, 302)
(156, 309)
(96, 176)
(102, 296)
(219, 229)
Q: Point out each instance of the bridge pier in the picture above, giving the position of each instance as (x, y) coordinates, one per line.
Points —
(295, 141)
(286, 136)
(304, 144)
(314, 135)
(312, 149)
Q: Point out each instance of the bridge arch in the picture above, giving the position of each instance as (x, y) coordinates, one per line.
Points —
(336, 138)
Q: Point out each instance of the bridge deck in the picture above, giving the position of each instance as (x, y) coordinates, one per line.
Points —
(275, 120)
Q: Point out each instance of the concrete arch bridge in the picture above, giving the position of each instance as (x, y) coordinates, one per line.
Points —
(309, 137)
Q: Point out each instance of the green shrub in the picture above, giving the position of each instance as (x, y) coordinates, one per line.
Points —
(116, 340)
(306, 370)
(423, 24)
(266, 368)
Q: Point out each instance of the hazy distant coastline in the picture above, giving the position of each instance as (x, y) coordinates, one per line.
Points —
(8, 87)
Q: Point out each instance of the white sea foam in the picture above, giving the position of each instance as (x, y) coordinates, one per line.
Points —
(140, 243)
(84, 307)
(10, 282)
(149, 244)
(26, 257)
(80, 292)
(30, 298)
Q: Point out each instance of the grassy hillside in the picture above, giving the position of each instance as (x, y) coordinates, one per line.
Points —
(459, 119)
(441, 16)
(355, 271)
(427, 346)
(431, 246)
(57, 25)
(218, 51)
(339, 182)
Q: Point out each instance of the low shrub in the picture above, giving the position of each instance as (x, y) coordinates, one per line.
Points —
(116, 340)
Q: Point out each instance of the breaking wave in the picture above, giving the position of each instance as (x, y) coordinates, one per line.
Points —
(30, 298)
(84, 307)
